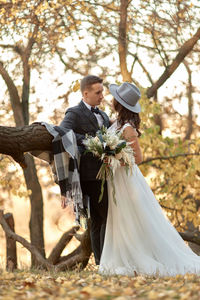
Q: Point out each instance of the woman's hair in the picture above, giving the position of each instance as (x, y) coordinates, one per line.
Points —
(125, 115)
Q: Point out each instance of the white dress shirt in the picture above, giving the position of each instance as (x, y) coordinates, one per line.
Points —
(98, 116)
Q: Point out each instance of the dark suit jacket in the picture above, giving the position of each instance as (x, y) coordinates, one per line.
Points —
(82, 121)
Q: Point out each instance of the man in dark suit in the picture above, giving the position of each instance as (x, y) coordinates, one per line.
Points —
(86, 118)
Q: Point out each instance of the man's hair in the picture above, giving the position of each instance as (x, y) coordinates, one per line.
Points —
(88, 81)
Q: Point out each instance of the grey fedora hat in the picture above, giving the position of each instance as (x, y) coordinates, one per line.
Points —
(127, 94)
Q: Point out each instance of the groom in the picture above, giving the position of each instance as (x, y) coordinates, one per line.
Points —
(86, 118)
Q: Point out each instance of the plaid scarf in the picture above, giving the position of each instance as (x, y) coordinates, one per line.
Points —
(64, 164)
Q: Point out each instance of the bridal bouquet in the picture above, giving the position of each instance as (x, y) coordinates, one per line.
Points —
(113, 150)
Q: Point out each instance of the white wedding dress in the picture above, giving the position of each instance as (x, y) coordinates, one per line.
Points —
(139, 237)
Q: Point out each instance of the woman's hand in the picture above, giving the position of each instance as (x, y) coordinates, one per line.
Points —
(106, 161)
(122, 163)
(63, 202)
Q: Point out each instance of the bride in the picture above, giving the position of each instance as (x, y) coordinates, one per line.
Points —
(139, 239)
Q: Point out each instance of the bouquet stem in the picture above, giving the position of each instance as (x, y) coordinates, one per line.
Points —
(106, 172)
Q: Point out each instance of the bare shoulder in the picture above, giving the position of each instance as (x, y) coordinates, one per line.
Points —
(129, 132)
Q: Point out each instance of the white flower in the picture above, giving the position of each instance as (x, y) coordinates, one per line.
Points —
(110, 140)
(112, 149)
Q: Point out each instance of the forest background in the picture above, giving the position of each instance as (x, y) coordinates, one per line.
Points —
(46, 47)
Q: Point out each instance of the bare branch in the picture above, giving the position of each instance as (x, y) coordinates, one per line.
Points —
(193, 237)
(183, 52)
(143, 67)
(78, 259)
(169, 157)
(25, 243)
(16, 48)
(14, 96)
(64, 240)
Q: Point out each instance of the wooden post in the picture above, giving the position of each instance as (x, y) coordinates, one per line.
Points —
(11, 252)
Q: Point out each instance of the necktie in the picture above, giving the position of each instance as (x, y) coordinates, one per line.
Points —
(95, 110)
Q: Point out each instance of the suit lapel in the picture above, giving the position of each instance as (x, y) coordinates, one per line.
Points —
(105, 123)
(90, 116)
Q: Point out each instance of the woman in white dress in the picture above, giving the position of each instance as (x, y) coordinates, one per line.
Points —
(139, 238)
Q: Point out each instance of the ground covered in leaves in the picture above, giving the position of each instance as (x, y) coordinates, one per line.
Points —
(91, 285)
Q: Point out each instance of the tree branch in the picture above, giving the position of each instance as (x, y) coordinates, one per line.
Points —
(14, 141)
(14, 96)
(78, 258)
(183, 52)
(16, 48)
(26, 74)
(168, 157)
(190, 102)
(25, 243)
(193, 237)
(143, 67)
(64, 240)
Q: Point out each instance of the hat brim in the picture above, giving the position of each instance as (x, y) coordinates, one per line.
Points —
(136, 108)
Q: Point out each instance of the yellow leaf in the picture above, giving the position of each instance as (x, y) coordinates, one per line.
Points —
(153, 295)
(76, 86)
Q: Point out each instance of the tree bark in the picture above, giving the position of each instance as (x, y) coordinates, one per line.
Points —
(14, 141)
(11, 251)
(183, 52)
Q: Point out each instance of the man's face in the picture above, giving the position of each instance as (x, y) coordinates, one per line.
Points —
(94, 95)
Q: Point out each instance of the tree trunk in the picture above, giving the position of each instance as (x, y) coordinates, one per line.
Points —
(21, 116)
(122, 41)
(11, 251)
(36, 218)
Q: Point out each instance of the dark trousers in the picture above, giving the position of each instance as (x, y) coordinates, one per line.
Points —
(98, 214)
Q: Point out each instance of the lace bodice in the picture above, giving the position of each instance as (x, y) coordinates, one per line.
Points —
(115, 127)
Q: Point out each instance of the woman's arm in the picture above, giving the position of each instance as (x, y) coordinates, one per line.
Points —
(130, 134)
